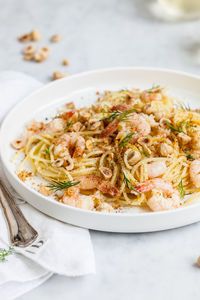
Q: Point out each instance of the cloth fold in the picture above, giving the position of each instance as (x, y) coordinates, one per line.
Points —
(68, 250)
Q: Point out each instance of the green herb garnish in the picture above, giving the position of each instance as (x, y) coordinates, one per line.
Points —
(126, 139)
(181, 190)
(129, 184)
(113, 115)
(61, 185)
(67, 125)
(123, 116)
(145, 153)
(116, 113)
(175, 128)
(153, 89)
(188, 155)
(5, 252)
(46, 151)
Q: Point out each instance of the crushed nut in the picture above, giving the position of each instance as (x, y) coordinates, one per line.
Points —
(58, 75)
(55, 38)
(42, 54)
(58, 162)
(106, 172)
(184, 138)
(65, 62)
(132, 157)
(18, 144)
(35, 35)
(69, 163)
(30, 49)
(24, 38)
(44, 190)
(77, 126)
(85, 115)
(198, 261)
(23, 175)
(89, 144)
(94, 124)
(165, 149)
(28, 56)
(70, 105)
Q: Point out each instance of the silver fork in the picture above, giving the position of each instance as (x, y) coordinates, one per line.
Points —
(22, 234)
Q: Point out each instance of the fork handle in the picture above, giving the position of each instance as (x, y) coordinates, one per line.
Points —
(22, 233)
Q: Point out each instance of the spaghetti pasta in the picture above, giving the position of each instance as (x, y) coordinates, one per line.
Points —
(130, 134)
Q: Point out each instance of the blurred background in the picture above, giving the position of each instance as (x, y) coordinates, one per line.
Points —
(101, 34)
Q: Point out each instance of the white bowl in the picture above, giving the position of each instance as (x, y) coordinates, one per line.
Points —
(186, 86)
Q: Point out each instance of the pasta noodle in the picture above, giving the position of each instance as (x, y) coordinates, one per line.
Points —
(123, 142)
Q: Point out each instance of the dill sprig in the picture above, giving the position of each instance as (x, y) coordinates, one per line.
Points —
(46, 151)
(129, 184)
(122, 115)
(113, 115)
(181, 189)
(125, 140)
(184, 106)
(124, 90)
(145, 153)
(153, 89)
(188, 155)
(175, 128)
(67, 125)
(5, 252)
(61, 185)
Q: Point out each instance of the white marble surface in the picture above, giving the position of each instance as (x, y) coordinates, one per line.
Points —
(98, 34)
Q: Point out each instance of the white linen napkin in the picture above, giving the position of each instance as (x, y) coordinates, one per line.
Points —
(68, 250)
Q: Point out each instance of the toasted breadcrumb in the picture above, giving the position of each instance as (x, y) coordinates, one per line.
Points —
(23, 175)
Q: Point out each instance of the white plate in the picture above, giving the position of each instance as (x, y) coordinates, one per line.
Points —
(81, 89)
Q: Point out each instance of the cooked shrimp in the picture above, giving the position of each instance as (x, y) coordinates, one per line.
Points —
(56, 125)
(73, 198)
(121, 107)
(158, 202)
(70, 141)
(89, 182)
(110, 128)
(156, 168)
(140, 124)
(136, 121)
(153, 96)
(195, 172)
